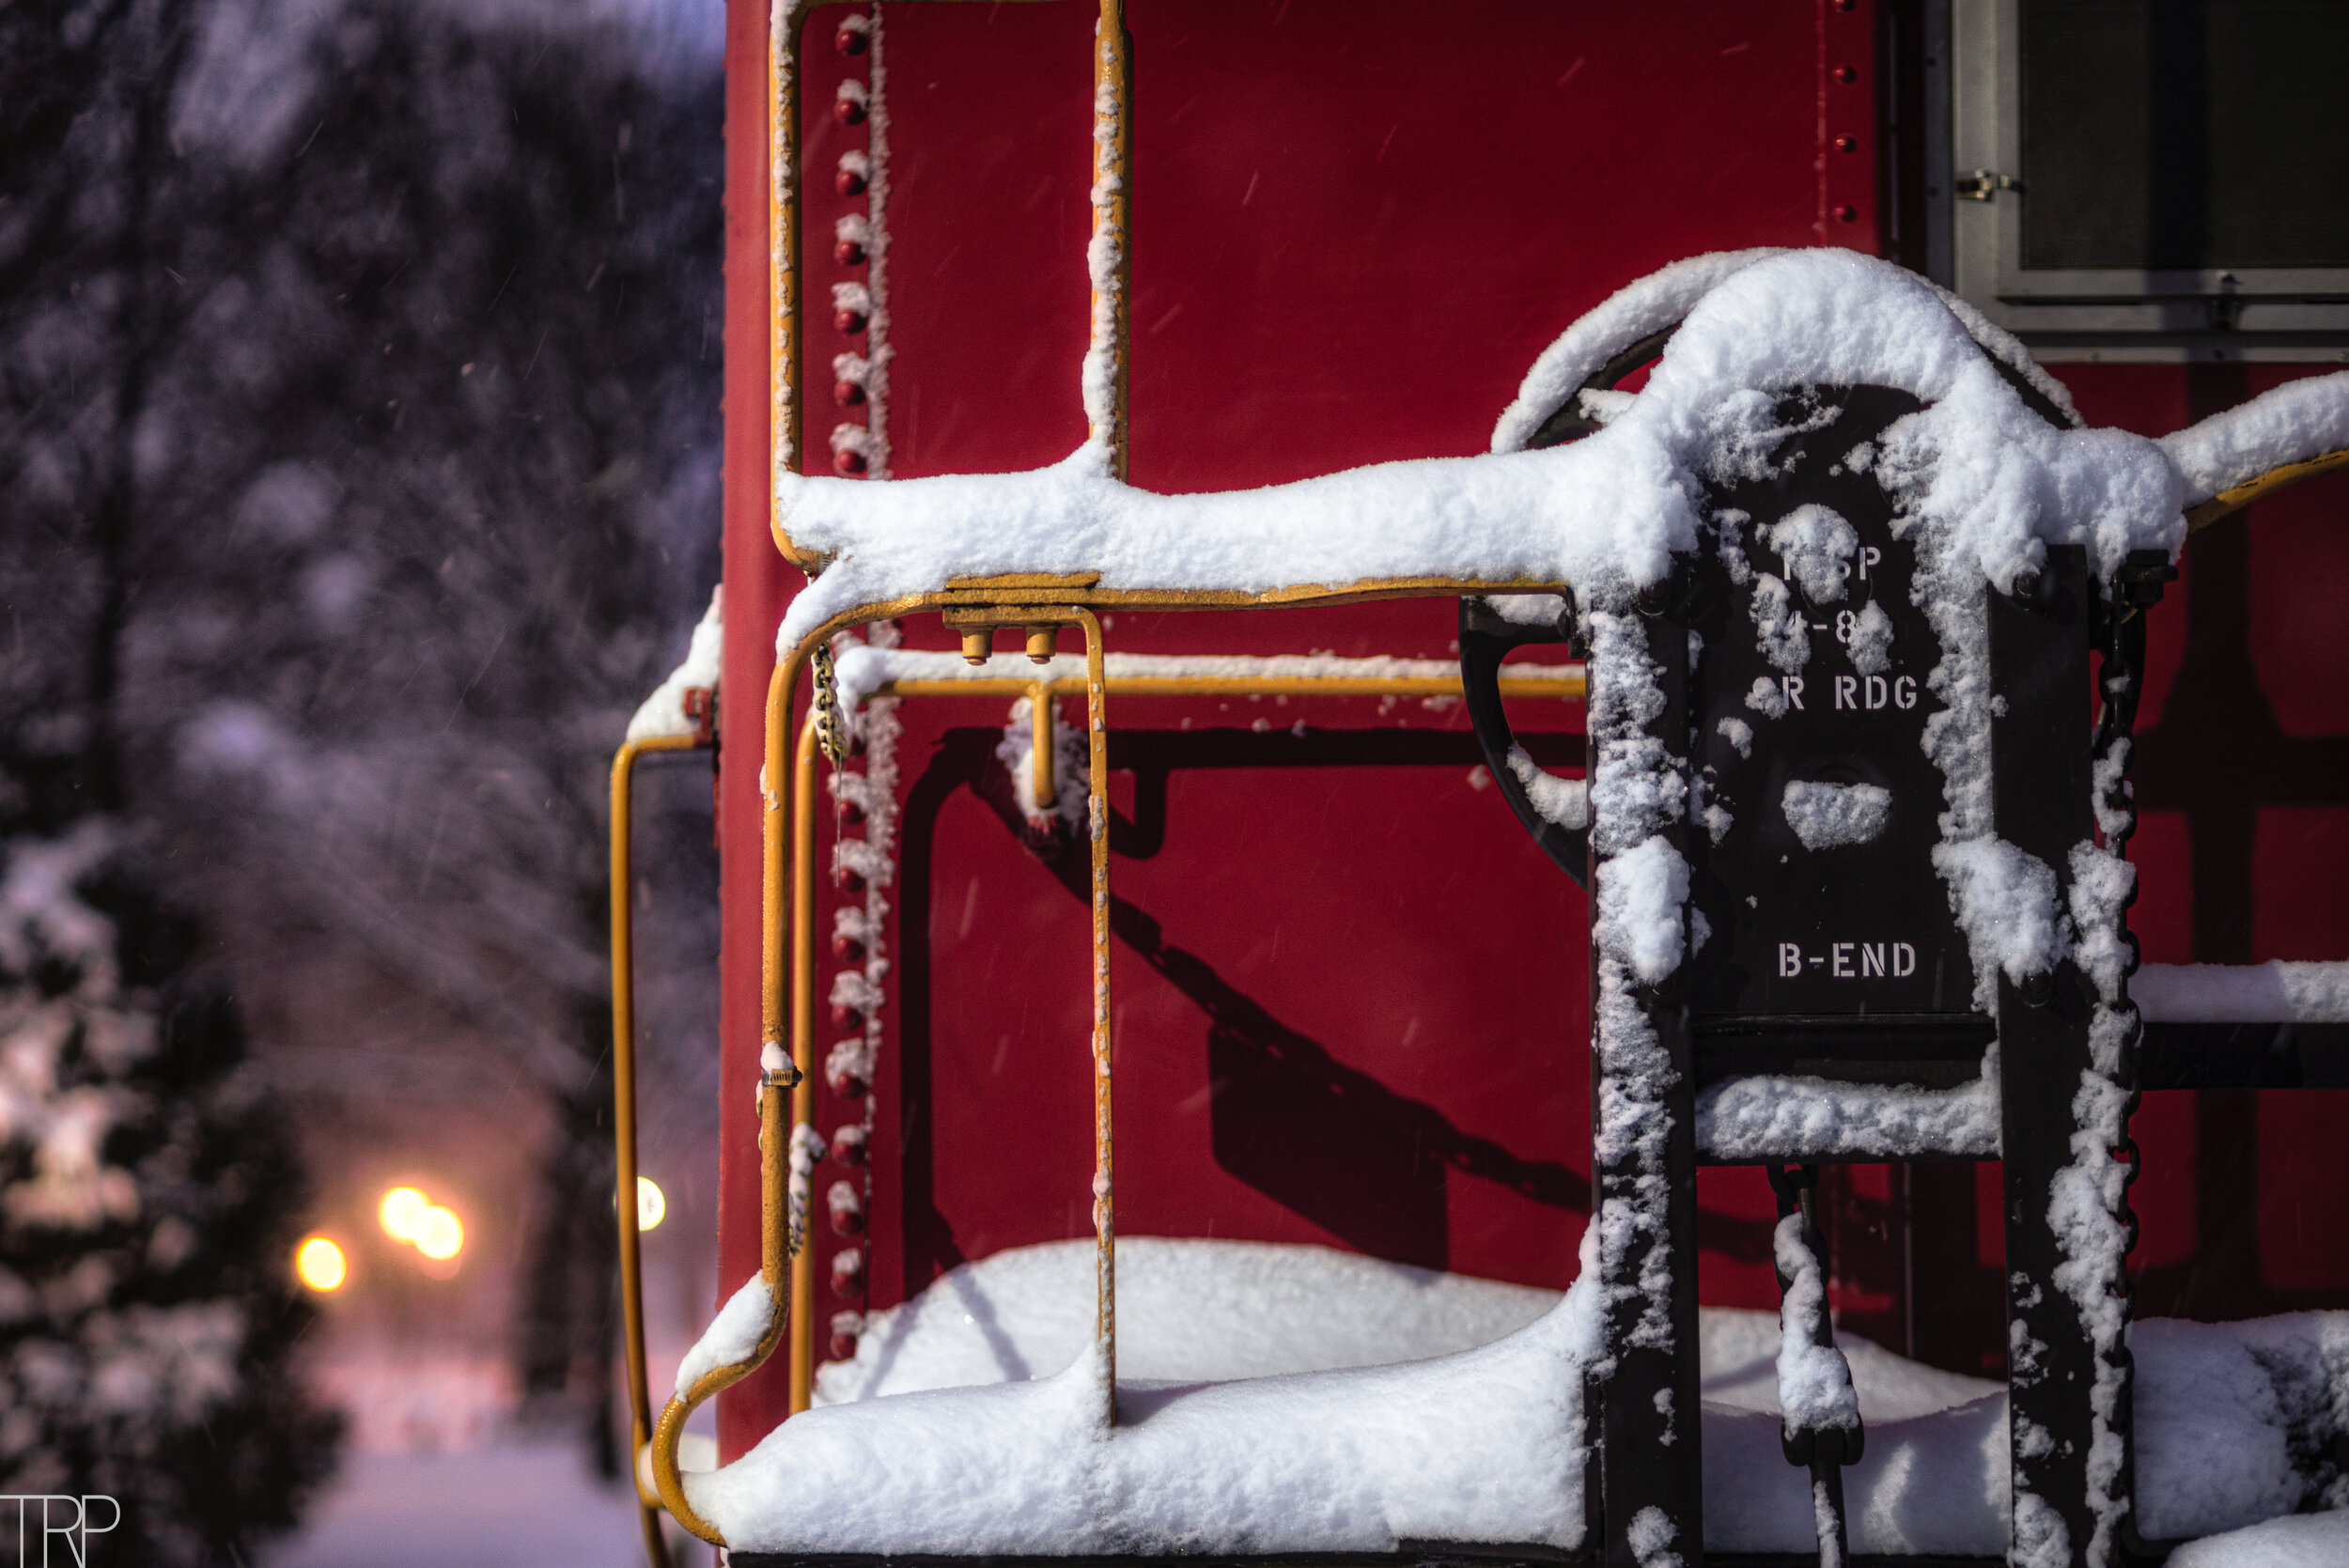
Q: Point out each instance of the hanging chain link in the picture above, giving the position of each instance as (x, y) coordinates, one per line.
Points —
(831, 731)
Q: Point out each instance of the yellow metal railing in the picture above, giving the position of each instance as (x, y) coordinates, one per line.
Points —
(624, 1106)
(798, 1003)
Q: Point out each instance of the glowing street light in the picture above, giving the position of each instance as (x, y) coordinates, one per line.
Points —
(318, 1263)
(399, 1211)
(650, 1204)
(437, 1235)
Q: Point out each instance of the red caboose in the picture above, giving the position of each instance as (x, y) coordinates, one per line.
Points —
(1166, 812)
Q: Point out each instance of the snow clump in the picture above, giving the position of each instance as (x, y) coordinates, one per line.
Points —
(1824, 814)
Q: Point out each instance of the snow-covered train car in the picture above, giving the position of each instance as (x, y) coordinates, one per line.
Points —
(1827, 407)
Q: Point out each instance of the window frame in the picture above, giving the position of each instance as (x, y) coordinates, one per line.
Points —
(2268, 313)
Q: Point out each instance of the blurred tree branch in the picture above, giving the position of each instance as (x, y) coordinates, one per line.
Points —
(358, 468)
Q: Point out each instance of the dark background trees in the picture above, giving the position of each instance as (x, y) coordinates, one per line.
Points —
(358, 438)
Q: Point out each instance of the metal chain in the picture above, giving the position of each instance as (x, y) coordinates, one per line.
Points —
(831, 735)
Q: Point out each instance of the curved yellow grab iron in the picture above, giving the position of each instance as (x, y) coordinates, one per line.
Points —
(624, 1109)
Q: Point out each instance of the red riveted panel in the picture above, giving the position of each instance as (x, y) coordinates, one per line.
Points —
(1848, 151)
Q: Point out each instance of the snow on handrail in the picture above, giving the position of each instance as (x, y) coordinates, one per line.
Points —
(2242, 993)
(2296, 423)
(862, 670)
(1606, 514)
(663, 712)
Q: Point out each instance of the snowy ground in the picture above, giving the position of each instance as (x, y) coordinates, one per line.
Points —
(507, 1505)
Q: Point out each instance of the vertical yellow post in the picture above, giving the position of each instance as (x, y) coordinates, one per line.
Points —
(783, 251)
(803, 1042)
(624, 1133)
(1107, 258)
(1104, 1192)
(1040, 747)
(775, 1242)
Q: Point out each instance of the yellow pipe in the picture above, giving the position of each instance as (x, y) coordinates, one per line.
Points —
(624, 1116)
(776, 1268)
(783, 267)
(1565, 688)
(802, 1365)
(1098, 826)
(1112, 126)
(773, 1129)
(1041, 745)
(2226, 503)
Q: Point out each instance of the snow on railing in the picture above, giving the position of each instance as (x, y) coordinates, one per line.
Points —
(860, 671)
(1606, 513)
(2295, 422)
(2242, 993)
(663, 712)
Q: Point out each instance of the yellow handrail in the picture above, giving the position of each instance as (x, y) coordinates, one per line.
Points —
(2228, 501)
(786, 1006)
(624, 1114)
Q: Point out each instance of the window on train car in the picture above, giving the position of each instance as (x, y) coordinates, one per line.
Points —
(2152, 179)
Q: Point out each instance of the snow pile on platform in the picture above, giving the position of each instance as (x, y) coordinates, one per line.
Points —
(968, 1420)
(1481, 1445)
(2234, 1420)
(2298, 1541)
(1187, 1311)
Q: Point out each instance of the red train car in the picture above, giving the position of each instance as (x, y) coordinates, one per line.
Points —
(1229, 248)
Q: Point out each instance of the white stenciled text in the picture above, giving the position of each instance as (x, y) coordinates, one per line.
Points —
(68, 1519)
(1867, 693)
(1855, 960)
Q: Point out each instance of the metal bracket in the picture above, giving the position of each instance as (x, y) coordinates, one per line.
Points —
(1984, 184)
